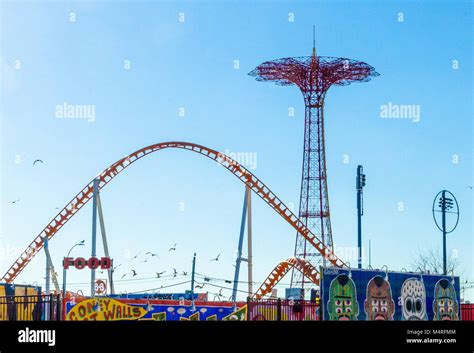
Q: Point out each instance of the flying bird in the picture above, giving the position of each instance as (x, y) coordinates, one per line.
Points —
(151, 253)
(37, 161)
(220, 292)
(217, 258)
(173, 248)
(199, 286)
(185, 273)
(123, 276)
(15, 201)
(174, 272)
(133, 258)
(158, 274)
(145, 260)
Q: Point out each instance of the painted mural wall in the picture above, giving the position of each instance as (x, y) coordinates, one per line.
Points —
(114, 309)
(378, 295)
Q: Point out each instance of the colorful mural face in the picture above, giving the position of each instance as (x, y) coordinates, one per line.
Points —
(379, 304)
(107, 309)
(388, 295)
(445, 304)
(413, 299)
(342, 303)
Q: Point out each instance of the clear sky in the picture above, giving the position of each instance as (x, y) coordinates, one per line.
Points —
(141, 65)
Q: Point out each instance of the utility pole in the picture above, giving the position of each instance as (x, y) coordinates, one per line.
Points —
(192, 277)
(370, 257)
(443, 205)
(447, 203)
(360, 183)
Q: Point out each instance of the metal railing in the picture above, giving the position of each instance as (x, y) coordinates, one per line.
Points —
(30, 308)
(282, 310)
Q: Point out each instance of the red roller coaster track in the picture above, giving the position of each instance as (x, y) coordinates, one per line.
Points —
(109, 173)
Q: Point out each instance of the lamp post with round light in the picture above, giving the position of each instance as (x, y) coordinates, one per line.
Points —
(81, 243)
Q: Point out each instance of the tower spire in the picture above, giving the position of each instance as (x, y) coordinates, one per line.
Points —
(314, 41)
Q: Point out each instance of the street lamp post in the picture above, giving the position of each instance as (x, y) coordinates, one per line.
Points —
(360, 183)
(64, 268)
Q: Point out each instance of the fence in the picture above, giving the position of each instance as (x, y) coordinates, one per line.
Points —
(467, 312)
(30, 308)
(282, 310)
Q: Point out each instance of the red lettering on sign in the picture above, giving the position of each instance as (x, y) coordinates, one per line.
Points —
(80, 263)
(93, 263)
(105, 263)
(67, 262)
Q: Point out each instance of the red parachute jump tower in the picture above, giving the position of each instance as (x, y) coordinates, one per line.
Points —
(313, 75)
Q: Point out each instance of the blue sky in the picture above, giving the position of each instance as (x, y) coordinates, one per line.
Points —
(48, 60)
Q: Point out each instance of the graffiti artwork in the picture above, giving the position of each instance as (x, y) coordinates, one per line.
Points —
(108, 309)
(413, 300)
(378, 295)
(104, 309)
(445, 303)
(378, 304)
(342, 303)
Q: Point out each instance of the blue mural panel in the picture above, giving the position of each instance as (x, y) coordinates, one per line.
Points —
(355, 294)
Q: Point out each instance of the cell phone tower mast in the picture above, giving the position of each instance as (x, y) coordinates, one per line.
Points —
(313, 75)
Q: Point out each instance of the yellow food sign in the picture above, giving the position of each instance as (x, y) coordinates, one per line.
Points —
(104, 309)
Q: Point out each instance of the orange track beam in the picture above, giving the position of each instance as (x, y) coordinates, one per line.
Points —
(111, 172)
(282, 269)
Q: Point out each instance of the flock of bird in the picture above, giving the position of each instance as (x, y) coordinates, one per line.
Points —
(174, 272)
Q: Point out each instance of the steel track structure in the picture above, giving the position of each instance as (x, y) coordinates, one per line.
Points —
(106, 176)
(303, 266)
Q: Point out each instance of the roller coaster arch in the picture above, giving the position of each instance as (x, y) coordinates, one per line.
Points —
(113, 170)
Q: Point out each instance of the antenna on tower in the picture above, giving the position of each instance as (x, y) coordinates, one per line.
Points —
(314, 41)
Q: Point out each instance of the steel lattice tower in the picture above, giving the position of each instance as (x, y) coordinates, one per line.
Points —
(313, 75)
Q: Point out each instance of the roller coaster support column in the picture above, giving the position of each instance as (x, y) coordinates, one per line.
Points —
(48, 278)
(104, 241)
(94, 231)
(249, 238)
(48, 267)
(239, 250)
